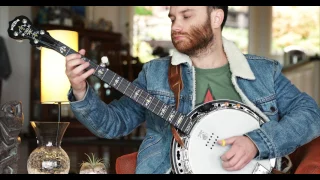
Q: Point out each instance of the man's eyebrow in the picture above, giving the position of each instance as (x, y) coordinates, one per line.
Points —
(181, 12)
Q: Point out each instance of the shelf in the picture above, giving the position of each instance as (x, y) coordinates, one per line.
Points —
(97, 43)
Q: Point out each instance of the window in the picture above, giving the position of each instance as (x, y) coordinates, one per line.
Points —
(295, 26)
(236, 28)
(151, 30)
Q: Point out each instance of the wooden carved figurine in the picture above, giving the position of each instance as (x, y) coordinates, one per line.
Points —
(11, 121)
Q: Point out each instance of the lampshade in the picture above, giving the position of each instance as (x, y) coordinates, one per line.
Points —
(53, 80)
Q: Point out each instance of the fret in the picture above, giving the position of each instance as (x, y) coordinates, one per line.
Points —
(151, 102)
(171, 116)
(185, 123)
(175, 118)
(168, 112)
(120, 82)
(148, 101)
(133, 92)
(63, 49)
(103, 74)
(140, 99)
(123, 85)
(100, 72)
(67, 53)
(136, 93)
(116, 81)
(126, 88)
(163, 110)
(180, 119)
(129, 90)
(158, 108)
(144, 96)
(114, 75)
(107, 76)
(155, 105)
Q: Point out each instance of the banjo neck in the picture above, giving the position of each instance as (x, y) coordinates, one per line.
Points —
(166, 112)
(21, 28)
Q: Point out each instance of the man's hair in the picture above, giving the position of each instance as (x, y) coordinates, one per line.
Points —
(225, 10)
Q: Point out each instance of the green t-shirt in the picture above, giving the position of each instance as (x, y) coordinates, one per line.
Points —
(214, 84)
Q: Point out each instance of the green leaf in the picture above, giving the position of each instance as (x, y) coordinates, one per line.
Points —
(141, 10)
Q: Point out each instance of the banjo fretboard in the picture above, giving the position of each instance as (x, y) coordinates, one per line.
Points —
(168, 113)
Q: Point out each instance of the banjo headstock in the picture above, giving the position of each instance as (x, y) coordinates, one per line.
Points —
(21, 28)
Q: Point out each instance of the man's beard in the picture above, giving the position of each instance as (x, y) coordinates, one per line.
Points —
(198, 40)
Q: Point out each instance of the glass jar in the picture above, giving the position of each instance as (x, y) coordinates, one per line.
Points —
(48, 157)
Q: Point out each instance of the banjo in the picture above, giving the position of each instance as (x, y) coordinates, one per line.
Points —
(200, 129)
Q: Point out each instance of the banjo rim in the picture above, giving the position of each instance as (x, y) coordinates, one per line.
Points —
(229, 104)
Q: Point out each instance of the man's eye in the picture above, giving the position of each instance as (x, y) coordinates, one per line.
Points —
(186, 17)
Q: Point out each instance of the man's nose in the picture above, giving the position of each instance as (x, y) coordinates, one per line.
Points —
(176, 26)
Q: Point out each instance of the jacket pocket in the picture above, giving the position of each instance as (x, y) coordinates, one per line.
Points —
(269, 108)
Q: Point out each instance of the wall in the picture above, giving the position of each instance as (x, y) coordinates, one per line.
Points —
(17, 87)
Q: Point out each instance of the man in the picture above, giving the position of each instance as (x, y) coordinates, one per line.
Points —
(212, 68)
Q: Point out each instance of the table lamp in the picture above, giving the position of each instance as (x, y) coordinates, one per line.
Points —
(53, 80)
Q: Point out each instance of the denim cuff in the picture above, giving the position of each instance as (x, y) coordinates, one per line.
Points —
(80, 103)
(262, 143)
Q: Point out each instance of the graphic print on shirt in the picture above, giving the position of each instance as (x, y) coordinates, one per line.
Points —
(208, 96)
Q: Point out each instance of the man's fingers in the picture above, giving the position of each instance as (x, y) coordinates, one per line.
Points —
(74, 63)
(82, 52)
(80, 69)
(233, 161)
(229, 154)
(73, 56)
(82, 77)
(87, 74)
(239, 165)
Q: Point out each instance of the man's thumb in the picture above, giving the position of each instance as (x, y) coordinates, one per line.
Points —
(228, 141)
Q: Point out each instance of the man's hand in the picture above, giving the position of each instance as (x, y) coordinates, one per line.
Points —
(241, 152)
(75, 71)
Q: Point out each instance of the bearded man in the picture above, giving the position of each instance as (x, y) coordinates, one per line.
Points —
(212, 68)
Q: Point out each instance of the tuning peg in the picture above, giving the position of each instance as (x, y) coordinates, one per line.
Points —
(42, 32)
(15, 33)
(19, 41)
(24, 21)
(104, 61)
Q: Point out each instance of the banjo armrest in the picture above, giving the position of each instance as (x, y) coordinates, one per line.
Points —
(306, 159)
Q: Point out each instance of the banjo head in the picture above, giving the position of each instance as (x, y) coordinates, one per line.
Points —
(214, 121)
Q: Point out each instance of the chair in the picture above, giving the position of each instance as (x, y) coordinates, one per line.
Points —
(126, 164)
(305, 160)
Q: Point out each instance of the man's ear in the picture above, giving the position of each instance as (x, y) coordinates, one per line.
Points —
(217, 17)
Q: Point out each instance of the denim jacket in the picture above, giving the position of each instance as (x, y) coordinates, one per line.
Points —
(292, 117)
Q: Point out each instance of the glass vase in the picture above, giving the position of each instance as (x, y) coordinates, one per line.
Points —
(48, 157)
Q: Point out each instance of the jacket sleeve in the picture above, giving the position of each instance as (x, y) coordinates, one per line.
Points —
(118, 118)
(299, 121)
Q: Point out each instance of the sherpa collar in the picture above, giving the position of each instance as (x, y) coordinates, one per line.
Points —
(238, 63)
